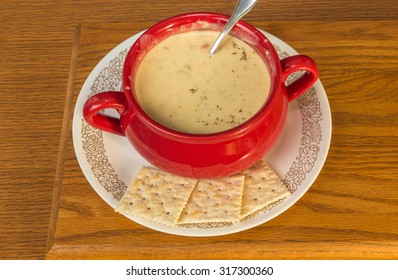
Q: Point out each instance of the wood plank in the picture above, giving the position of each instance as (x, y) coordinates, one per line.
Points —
(349, 212)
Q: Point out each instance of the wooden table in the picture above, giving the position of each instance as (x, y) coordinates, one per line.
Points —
(49, 210)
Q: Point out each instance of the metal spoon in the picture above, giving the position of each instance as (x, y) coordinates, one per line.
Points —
(241, 8)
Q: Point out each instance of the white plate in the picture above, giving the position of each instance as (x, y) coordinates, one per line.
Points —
(110, 163)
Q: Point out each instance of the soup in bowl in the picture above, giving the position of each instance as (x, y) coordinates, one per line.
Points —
(199, 115)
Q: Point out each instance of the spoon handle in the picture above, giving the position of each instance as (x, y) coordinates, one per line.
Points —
(241, 8)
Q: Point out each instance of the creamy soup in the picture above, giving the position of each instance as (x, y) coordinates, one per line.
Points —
(182, 87)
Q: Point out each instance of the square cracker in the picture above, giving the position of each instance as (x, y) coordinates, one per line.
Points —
(262, 187)
(156, 196)
(214, 200)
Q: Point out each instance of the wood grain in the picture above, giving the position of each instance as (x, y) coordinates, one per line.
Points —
(64, 139)
(354, 44)
(349, 212)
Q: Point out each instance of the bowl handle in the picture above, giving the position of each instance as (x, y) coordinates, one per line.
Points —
(105, 100)
(297, 63)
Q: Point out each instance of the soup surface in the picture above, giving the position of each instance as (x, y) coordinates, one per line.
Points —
(183, 88)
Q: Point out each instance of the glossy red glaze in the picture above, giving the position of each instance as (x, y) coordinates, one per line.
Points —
(211, 155)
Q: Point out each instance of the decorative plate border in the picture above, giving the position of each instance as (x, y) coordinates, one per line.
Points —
(92, 141)
(109, 78)
(312, 133)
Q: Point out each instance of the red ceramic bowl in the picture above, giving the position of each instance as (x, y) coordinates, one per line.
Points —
(205, 155)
